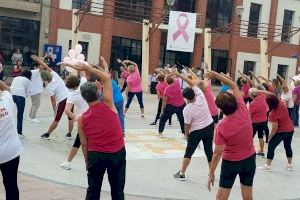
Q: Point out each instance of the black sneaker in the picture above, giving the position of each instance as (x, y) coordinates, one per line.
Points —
(45, 136)
(153, 124)
(261, 154)
(179, 176)
(68, 136)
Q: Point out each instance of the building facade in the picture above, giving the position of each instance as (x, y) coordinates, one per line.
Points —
(24, 25)
(113, 29)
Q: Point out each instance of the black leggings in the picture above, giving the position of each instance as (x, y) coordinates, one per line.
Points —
(139, 96)
(275, 141)
(115, 166)
(261, 129)
(77, 142)
(124, 86)
(9, 172)
(290, 112)
(195, 137)
(159, 112)
(167, 114)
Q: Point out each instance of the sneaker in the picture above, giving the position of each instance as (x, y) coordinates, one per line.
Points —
(289, 167)
(20, 136)
(160, 135)
(265, 167)
(68, 136)
(153, 124)
(143, 115)
(179, 176)
(261, 154)
(35, 120)
(45, 136)
(66, 165)
(170, 124)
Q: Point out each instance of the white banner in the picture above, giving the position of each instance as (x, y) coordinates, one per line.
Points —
(181, 32)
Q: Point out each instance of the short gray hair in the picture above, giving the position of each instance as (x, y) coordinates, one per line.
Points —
(89, 92)
(46, 75)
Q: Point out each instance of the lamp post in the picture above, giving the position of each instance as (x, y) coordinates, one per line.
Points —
(147, 33)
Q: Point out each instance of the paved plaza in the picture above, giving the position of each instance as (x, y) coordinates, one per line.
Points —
(151, 163)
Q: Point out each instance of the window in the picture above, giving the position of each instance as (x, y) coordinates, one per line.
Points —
(219, 60)
(282, 71)
(287, 25)
(77, 4)
(248, 66)
(254, 19)
(173, 57)
(19, 34)
(218, 13)
(133, 10)
(184, 5)
(125, 48)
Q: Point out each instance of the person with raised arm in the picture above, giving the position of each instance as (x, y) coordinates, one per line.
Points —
(172, 103)
(10, 145)
(74, 99)
(198, 124)
(233, 142)
(160, 88)
(58, 94)
(101, 136)
(124, 74)
(134, 85)
(258, 110)
(286, 95)
(282, 130)
(246, 85)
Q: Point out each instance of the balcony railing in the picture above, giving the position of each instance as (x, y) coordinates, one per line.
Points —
(32, 1)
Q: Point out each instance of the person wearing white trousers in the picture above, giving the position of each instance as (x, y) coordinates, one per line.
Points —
(36, 89)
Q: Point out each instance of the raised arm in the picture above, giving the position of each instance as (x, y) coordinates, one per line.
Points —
(122, 63)
(224, 79)
(281, 80)
(255, 77)
(131, 63)
(184, 78)
(41, 63)
(103, 77)
(3, 86)
(264, 79)
(104, 65)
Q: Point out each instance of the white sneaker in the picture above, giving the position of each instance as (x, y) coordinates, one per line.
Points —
(289, 167)
(266, 168)
(20, 136)
(66, 165)
(35, 120)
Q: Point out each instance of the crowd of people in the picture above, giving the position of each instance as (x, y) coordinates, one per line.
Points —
(230, 120)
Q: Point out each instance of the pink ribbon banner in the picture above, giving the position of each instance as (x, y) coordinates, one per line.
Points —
(182, 28)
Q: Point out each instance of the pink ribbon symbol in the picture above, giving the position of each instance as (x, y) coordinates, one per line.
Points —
(182, 28)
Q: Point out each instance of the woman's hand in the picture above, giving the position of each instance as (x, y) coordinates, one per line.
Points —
(210, 181)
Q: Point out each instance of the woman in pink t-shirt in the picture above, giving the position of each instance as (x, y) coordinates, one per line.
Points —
(282, 130)
(173, 103)
(124, 74)
(160, 88)
(134, 85)
(233, 142)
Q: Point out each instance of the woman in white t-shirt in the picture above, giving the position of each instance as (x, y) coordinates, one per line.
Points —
(286, 95)
(10, 145)
(58, 93)
(20, 90)
(36, 89)
(74, 99)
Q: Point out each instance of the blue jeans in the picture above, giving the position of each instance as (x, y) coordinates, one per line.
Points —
(119, 107)
(20, 102)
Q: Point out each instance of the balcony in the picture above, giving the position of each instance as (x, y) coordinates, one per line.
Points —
(33, 6)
